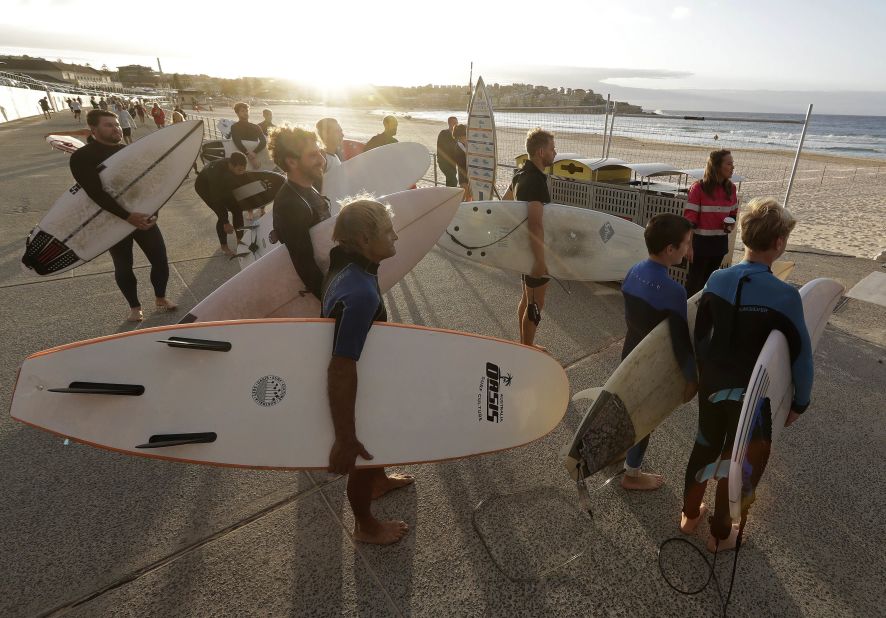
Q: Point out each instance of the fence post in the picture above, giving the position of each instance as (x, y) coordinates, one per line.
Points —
(434, 163)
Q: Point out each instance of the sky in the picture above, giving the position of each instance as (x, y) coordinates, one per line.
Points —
(819, 47)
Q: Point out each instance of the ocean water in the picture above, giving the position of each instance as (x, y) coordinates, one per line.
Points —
(851, 136)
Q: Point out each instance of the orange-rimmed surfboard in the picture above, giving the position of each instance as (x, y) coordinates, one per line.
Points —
(253, 393)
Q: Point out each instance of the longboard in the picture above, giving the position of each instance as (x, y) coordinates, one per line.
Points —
(480, 152)
(141, 177)
(771, 383)
(254, 394)
(580, 244)
(639, 395)
(271, 287)
(381, 171)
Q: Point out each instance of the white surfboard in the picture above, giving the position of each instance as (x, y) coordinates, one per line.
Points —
(224, 127)
(871, 289)
(480, 151)
(141, 177)
(381, 171)
(639, 395)
(258, 190)
(254, 394)
(262, 159)
(271, 287)
(772, 380)
(580, 244)
(64, 143)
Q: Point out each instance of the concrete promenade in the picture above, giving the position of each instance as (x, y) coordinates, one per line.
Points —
(87, 532)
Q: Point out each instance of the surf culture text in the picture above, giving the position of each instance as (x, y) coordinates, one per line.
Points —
(490, 398)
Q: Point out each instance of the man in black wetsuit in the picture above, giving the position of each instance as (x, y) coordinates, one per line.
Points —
(365, 236)
(86, 163)
(446, 147)
(385, 137)
(243, 130)
(215, 185)
(298, 206)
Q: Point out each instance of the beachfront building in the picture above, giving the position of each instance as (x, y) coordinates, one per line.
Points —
(76, 74)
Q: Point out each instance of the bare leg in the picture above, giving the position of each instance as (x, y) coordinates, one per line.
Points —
(367, 528)
(529, 327)
(687, 525)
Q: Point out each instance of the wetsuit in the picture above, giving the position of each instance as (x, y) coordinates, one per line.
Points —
(740, 306)
(446, 147)
(296, 211)
(351, 297)
(215, 185)
(86, 163)
(531, 185)
(247, 131)
(651, 297)
(382, 139)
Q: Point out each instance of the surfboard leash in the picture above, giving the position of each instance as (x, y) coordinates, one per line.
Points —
(496, 241)
(712, 564)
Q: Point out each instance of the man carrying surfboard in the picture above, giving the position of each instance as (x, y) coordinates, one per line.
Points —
(739, 307)
(245, 130)
(298, 206)
(385, 137)
(651, 296)
(365, 236)
(85, 164)
(215, 185)
(530, 184)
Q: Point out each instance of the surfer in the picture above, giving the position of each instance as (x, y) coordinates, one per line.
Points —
(268, 123)
(106, 140)
(740, 306)
(245, 130)
(298, 206)
(385, 137)
(365, 236)
(650, 297)
(446, 147)
(460, 135)
(709, 202)
(215, 185)
(331, 135)
(530, 184)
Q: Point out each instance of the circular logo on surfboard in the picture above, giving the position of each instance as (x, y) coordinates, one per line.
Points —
(269, 391)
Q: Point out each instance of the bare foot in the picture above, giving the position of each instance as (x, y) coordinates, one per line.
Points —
(725, 544)
(135, 315)
(643, 481)
(164, 304)
(688, 526)
(227, 251)
(381, 532)
(392, 482)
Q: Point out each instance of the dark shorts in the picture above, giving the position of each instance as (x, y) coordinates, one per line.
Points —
(534, 282)
(127, 131)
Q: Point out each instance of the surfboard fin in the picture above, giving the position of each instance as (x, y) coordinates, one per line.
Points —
(197, 344)
(101, 388)
(589, 393)
(178, 439)
(717, 470)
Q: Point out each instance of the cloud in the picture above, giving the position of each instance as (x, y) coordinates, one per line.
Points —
(680, 13)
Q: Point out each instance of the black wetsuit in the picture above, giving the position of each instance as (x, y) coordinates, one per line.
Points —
(382, 139)
(296, 211)
(86, 163)
(247, 131)
(446, 147)
(215, 185)
(352, 297)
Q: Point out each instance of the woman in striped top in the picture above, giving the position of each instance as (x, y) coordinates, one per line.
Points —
(710, 201)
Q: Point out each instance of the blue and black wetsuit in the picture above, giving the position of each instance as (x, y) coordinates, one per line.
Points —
(740, 306)
(352, 297)
(651, 296)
